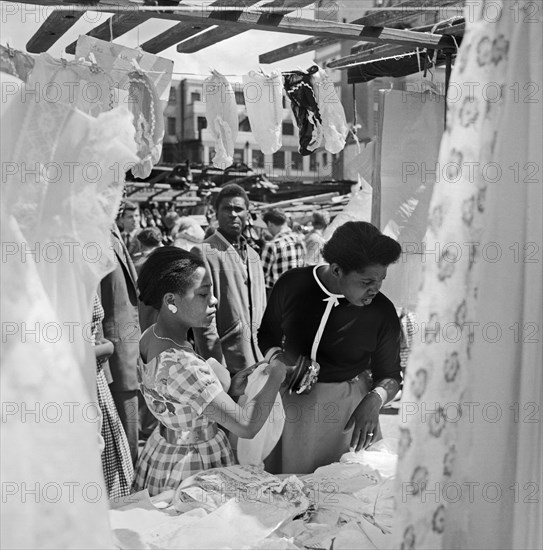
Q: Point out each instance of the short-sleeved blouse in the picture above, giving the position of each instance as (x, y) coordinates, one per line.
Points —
(178, 385)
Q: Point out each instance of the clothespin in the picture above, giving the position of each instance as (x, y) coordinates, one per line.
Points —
(11, 53)
(136, 66)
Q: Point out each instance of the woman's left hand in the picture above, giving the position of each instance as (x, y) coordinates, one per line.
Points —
(365, 419)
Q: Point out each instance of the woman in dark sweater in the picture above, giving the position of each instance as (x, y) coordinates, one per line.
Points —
(335, 314)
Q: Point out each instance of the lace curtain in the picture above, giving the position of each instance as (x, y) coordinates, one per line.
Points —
(469, 473)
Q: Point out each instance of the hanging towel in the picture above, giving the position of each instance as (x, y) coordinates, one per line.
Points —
(305, 108)
(222, 118)
(263, 100)
(334, 123)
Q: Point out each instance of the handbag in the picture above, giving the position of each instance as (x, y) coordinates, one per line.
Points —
(304, 376)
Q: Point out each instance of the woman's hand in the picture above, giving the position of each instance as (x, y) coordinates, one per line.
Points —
(103, 349)
(279, 366)
(365, 419)
(238, 382)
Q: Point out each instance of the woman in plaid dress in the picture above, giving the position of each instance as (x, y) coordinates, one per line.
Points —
(186, 393)
(116, 459)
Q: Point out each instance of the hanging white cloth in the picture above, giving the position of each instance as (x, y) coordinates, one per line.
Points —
(253, 452)
(472, 394)
(263, 100)
(334, 123)
(222, 118)
(60, 194)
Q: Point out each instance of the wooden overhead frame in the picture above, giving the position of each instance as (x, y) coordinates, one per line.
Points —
(376, 53)
(228, 20)
(407, 9)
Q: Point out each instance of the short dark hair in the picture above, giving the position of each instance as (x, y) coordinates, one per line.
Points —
(150, 236)
(357, 245)
(275, 216)
(129, 206)
(231, 190)
(320, 219)
(167, 269)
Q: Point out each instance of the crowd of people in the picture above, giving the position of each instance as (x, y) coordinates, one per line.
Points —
(187, 315)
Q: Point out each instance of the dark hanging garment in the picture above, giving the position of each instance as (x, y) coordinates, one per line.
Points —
(305, 108)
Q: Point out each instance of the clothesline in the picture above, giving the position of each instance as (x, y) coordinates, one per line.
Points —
(179, 73)
(210, 8)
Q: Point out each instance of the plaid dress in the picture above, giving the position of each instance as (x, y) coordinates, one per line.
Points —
(178, 385)
(116, 458)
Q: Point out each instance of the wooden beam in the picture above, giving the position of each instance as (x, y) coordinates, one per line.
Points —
(172, 36)
(213, 36)
(89, 3)
(388, 50)
(374, 18)
(119, 24)
(249, 19)
(184, 31)
(56, 24)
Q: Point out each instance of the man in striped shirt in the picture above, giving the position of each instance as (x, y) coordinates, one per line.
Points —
(285, 251)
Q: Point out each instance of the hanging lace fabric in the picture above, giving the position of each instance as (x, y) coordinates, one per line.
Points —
(299, 89)
(468, 391)
(144, 103)
(81, 84)
(334, 124)
(16, 63)
(60, 194)
(264, 104)
(222, 118)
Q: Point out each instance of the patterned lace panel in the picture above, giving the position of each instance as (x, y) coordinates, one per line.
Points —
(85, 86)
(73, 191)
(16, 63)
(437, 374)
(144, 103)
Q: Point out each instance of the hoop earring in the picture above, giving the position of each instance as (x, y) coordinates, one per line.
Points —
(172, 308)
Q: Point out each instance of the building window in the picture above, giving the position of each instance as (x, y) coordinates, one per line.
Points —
(258, 159)
(325, 159)
(173, 96)
(297, 161)
(313, 165)
(240, 100)
(244, 125)
(171, 126)
(284, 101)
(202, 123)
(238, 155)
(279, 159)
(195, 96)
(288, 128)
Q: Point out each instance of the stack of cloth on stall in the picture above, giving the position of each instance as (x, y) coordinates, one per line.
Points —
(346, 504)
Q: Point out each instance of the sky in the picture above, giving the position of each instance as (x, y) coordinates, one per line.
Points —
(237, 55)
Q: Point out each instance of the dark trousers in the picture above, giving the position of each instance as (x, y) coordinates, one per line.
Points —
(126, 403)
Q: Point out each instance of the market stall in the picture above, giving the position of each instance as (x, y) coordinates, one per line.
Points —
(346, 504)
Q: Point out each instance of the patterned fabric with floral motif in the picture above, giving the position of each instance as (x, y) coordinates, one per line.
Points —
(437, 372)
